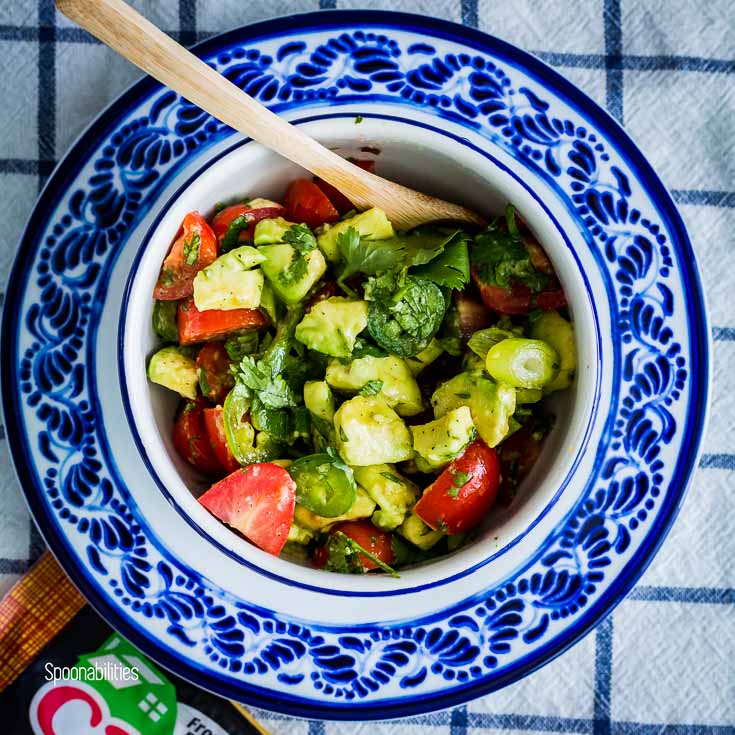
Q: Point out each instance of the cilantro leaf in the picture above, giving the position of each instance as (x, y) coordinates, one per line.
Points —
(231, 238)
(302, 239)
(191, 249)
(367, 256)
(239, 345)
(459, 480)
(344, 556)
(499, 255)
(450, 269)
(371, 388)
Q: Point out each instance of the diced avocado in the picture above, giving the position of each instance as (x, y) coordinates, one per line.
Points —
(164, 320)
(319, 400)
(260, 203)
(555, 330)
(528, 395)
(363, 507)
(332, 326)
(169, 368)
(393, 494)
(294, 551)
(440, 441)
(369, 431)
(268, 303)
(418, 362)
(371, 224)
(413, 529)
(270, 231)
(299, 535)
(278, 258)
(491, 404)
(399, 388)
(230, 282)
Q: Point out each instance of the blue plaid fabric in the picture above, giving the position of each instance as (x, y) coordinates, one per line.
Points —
(665, 660)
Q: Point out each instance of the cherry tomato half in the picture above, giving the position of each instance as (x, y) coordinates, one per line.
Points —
(213, 368)
(214, 423)
(258, 501)
(371, 539)
(192, 441)
(306, 202)
(223, 219)
(464, 492)
(195, 249)
(213, 324)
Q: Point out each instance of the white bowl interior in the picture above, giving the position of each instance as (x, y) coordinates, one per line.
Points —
(421, 159)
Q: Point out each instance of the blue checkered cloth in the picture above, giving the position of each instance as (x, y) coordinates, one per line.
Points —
(666, 69)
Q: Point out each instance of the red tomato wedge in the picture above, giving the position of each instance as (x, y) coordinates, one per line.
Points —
(213, 369)
(214, 423)
(212, 324)
(192, 441)
(371, 539)
(258, 501)
(519, 299)
(195, 249)
(518, 453)
(306, 202)
(461, 496)
(341, 203)
(223, 219)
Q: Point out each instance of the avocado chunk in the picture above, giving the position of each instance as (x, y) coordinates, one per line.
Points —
(319, 400)
(413, 529)
(363, 507)
(332, 326)
(491, 404)
(440, 441)
(300, 535)
(424, 358)
(261, 203)
(268, 303)
(397, 385)
(371, 224)
(271, 231)
(169, 368)
(369, 431)
(555, 330)
(393, 493)
(229, 282)
(289, 285)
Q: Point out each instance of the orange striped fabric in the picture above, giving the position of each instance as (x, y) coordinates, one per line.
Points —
(32, 613)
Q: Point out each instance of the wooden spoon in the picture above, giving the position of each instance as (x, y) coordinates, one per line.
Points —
(123, 29)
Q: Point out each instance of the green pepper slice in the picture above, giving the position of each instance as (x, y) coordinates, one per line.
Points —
(324, 484)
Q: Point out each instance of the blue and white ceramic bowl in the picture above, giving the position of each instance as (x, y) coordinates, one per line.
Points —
(456, 113)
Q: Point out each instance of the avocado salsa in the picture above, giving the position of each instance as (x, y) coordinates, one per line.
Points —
(360, 397)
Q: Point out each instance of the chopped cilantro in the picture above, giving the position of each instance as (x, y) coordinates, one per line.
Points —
(343, 555)
(451, 269)
(371, 388)
(203, 382)
(459, 480)
(499, 256)
(358, 119)
(231, 238)
(191, 249)
(365, 256)
(302, 240)
(393, 478)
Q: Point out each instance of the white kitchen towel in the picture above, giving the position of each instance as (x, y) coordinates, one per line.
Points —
(664, 661)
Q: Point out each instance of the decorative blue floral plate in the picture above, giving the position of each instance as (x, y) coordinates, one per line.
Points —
(453, 111)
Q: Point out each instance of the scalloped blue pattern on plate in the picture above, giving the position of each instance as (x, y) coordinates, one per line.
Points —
(248, 653)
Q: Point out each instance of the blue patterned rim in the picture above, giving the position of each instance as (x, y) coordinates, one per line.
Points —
(161, 485)
(447, 638)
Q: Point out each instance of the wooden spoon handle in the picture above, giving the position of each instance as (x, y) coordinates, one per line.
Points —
(137, 39)
(123, 29)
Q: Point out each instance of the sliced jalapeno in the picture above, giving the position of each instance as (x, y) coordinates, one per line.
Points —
(324, 484)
